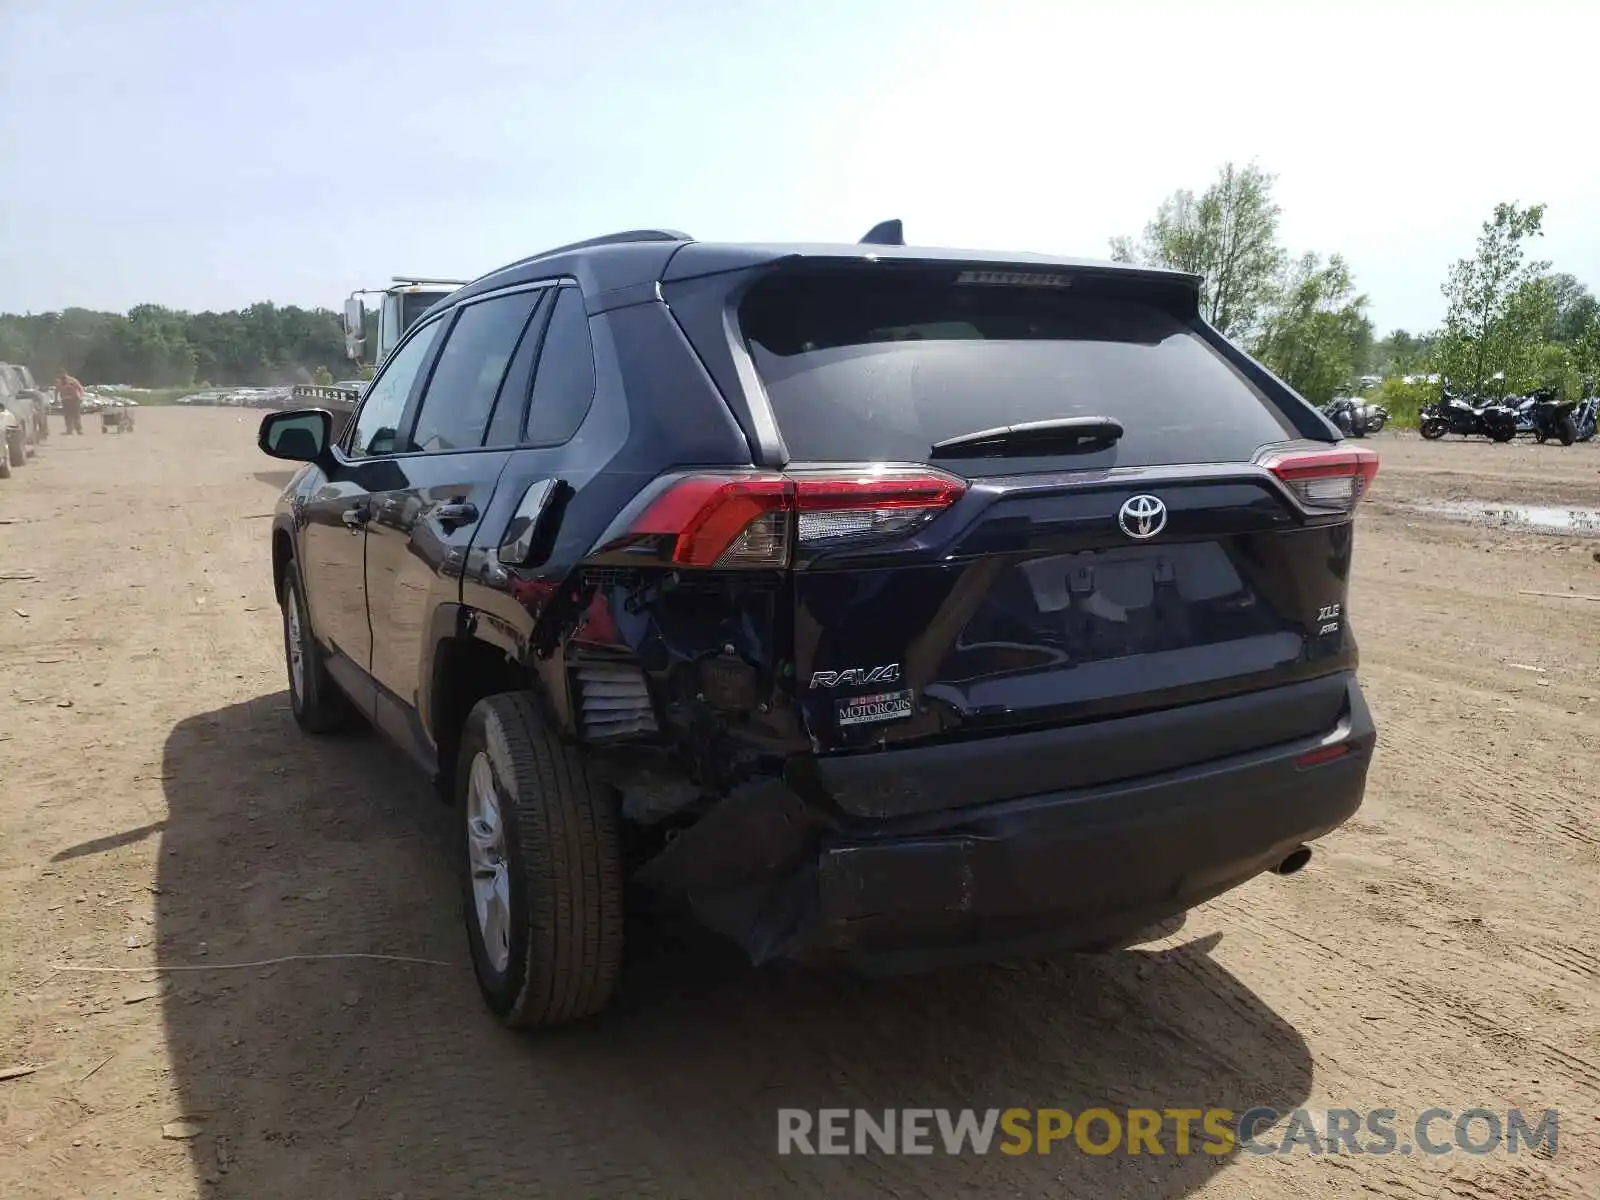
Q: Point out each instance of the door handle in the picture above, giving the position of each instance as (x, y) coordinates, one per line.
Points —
(459, 513)
(354, 517)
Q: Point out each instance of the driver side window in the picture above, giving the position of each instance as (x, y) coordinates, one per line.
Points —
(376, 428)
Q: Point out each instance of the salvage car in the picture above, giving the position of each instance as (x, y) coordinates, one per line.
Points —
(882, 605)
(11, 437)
(30, 407)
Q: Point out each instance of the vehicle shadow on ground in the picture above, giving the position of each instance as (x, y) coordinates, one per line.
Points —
(376, 1078)
(273, 479)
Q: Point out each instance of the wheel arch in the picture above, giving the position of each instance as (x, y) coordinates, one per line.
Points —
(465, 668)
(282, 555)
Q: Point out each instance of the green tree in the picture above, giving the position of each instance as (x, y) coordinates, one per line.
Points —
(153, 346)
(1498, 304)
(1402, 353)
(1586, 356)
(1573, 308)
(1316, 335)
(1556, 367)
(1228, 236)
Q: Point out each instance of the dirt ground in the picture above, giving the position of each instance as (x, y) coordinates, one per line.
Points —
(162, 818)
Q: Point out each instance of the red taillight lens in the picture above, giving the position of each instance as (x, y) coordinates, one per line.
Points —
(745, 520)
(709, 515)
(1331, 480)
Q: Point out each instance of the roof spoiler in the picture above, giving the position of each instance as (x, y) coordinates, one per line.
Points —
(885, 233)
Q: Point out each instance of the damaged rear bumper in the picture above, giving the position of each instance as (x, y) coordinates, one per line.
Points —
(1062, 870)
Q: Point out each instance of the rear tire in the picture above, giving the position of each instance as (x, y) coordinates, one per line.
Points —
(1567, 430)
(5, 466)
(315, 700)
(542, 873)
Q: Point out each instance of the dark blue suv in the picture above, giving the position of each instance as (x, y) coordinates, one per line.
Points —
(895, 605)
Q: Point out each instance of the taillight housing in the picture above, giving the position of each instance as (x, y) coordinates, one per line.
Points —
(1324, 480)
(755, 519)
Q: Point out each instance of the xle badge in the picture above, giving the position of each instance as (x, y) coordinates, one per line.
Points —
(868, 710)
(1328, 619)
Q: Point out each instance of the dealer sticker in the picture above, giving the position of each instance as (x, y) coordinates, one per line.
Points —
(881, 706)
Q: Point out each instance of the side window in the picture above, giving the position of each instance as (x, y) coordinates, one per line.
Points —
(376, 428)
(563, 386)
(460, 395)
(505, 426)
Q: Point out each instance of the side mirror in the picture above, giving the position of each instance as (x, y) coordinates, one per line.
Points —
(301, 435)
(355, 323)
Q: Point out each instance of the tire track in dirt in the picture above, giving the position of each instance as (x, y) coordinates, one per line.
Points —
(1424, 998)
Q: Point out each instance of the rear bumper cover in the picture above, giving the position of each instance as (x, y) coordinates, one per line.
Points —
(1060, 870)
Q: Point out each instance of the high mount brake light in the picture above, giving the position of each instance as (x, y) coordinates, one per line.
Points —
(1325, 480)
(745, 520)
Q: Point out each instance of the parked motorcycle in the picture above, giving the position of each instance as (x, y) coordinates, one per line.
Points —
(1539, 413)
(1355, 418)
(1585, 418)
(1467, 417)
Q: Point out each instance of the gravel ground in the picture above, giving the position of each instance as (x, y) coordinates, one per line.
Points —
(159, 810)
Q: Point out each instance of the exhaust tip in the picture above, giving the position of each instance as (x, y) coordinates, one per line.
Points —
(1293, 861)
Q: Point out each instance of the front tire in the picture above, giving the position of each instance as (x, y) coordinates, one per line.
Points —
(542, 872)
(16, 447)
(1433, 430)
(315, 700)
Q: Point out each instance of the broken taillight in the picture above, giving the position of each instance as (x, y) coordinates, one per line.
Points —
(1331, 480)
(753, 519)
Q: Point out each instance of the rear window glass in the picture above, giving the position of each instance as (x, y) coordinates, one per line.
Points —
(880, 369)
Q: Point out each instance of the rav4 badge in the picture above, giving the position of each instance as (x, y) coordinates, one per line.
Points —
(856, 676)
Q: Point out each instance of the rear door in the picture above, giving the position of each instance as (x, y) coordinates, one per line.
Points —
(554, 382)
(453, 448)
(1075, 574)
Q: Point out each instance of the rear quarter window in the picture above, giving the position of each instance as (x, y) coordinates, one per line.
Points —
(879, 369)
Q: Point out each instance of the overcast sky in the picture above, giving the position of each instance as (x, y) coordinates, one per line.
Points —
(206, 155)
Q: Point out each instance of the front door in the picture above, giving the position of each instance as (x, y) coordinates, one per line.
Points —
(333, 571)
(339, 513)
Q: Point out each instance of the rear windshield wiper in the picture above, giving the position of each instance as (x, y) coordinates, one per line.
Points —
(1058, 435)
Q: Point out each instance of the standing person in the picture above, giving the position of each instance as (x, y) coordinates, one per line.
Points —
(71, 393)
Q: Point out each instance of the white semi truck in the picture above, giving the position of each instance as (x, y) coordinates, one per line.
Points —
(403, 302)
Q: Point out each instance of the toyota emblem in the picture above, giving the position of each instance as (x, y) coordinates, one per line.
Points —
(1142, 517)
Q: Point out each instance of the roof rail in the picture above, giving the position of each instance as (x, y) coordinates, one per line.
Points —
(617, 239)
(885, 233)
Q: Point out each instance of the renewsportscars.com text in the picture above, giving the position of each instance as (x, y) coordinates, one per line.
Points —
(1178, 1131)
